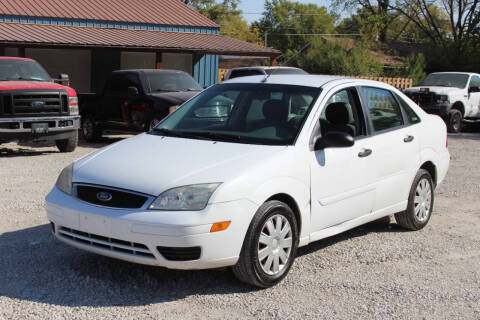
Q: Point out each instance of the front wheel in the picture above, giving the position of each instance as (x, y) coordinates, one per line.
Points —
(68, 145)
(270, 246)
(420, 203)
(454, 121)
(90, 130)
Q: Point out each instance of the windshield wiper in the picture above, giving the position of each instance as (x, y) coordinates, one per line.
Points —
(220, 136)
(180, 134)
(163, 90)
(25, 79)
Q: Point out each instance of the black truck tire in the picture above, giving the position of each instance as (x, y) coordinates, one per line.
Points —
(90, 130)
(68, 145)
(454, 121)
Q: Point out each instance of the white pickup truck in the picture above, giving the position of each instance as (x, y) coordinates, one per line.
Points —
(455, 96)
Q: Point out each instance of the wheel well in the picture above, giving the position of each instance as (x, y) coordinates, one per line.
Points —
(459, 106)
(289, 201)
(430, 167)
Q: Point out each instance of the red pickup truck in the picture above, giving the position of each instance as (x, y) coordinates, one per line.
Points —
(34, 107)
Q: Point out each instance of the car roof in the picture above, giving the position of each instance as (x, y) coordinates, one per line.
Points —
(264, 68)
(16, 58)
(150, 71)
(299, 80)
(467, 73)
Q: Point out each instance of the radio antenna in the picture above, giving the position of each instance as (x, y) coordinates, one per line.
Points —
(285, 62)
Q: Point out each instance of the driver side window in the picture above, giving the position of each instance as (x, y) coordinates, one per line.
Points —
(475, 82)
(343, 112)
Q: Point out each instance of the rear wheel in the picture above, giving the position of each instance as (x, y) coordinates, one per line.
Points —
(454, 121)
(68, 145)
(90, 130)
(270, 246)
(420, 203)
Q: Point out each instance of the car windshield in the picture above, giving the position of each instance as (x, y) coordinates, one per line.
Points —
(285, 71)
(457, 80)
(170, 81)
(269, 114)
(13, 69)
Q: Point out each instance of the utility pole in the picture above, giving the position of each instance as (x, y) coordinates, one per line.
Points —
(266, 36)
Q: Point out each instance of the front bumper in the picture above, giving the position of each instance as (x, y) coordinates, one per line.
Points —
(135, 234)
(59, 127)
(438, 109)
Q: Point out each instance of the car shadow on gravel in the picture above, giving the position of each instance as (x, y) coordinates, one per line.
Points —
(381, 226)
(37, 268)
(22, 152)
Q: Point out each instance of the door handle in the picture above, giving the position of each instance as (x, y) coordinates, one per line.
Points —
(408, 139)
(365, 153)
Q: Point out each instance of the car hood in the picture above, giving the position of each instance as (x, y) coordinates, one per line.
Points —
(28, 85)
(175, 98)
(437, 90)
(152, 164)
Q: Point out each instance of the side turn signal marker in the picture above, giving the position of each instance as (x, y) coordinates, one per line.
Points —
(219, 226)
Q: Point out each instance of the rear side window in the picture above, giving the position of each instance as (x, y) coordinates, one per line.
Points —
(383, 109)
(119, 83)
(411, 115)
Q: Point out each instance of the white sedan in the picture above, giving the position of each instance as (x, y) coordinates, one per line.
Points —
(251, 169)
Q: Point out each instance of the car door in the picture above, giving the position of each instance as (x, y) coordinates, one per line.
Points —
(343, 179)
(397, 149)
(474, 96)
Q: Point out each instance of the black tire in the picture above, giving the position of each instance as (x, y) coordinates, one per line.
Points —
(454, 121)
(248, 268)
(408, 219)
(90, 130)
(153, 121)
(68, 145)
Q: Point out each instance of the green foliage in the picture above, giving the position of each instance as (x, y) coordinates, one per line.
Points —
(414, 68)
(324, 57)
(282, 18)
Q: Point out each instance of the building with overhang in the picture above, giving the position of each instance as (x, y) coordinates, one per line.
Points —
(88, 39)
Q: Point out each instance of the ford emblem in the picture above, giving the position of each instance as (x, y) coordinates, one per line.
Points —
(104, 196)
(38, 103)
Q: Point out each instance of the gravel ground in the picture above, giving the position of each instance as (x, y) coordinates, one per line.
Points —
(374, 271)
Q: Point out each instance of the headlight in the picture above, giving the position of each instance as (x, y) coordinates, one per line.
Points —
(189, 198)
(73, 106)
(64, 181)
(442, 99)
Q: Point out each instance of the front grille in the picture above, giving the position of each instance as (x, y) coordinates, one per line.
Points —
(180, 253)
(119, 199)
(111, 244)
(422, 99)
(33, 103)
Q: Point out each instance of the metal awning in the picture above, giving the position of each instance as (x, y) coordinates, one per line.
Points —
(48, 36)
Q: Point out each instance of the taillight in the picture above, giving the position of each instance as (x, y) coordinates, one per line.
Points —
(73, 106)
(172, 108)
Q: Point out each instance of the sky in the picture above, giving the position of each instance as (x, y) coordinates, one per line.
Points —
(256, 6)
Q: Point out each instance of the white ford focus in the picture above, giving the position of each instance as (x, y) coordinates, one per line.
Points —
(249, 170)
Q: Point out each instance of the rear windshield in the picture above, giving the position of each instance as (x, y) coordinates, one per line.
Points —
(457, 80)
(11, 70)
(168, 82)
(245, 73)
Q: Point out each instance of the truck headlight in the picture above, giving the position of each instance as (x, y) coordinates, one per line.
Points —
(186, 198)
(64, 181)
(442, 99)
(73, 106)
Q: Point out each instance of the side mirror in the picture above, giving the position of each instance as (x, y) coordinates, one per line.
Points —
(333, 139)
(133, 91)
(473, 89)
(63, 79)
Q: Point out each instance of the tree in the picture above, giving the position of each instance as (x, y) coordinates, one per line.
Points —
(227, 15)
(375, 16)
(285, 23)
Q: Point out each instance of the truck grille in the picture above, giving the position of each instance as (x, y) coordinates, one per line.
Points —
(117, 198)
(422, 99)
(102, 242)
(20, 103)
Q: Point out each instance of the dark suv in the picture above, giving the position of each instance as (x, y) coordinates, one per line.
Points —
(135, 100)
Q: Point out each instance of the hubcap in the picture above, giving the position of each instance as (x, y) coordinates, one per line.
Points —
(423, 200)
(275, 244)
(87, 127)
(456, 122)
